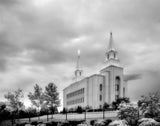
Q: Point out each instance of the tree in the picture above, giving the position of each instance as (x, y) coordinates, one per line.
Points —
(105, 106)
(116, 103)
(51, 96)
(128, 112)
(14, 100)
(150, 105)
(37, 98)
(64, 111)
(79, 109)
(4, 113)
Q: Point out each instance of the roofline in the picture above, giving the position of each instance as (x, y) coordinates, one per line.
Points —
(111, 66)
(83, 80)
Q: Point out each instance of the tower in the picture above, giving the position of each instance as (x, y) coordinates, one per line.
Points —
(111, 54)
(78, 71)
(113, 73)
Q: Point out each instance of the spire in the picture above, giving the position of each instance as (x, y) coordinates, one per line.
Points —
(111, 53)
(111, 44)
(78, 59)
(78, 71)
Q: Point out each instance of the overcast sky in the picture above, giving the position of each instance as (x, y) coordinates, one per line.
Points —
(39, 40)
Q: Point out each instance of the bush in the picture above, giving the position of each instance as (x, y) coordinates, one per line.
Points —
(129, 113)
(119, 123)
(148, 122)
(34, 123)
(157, 119)
(79, 109)
(54, 123)
(92, 122)
(65, 124)
(21, 124)
(99, 123)
(107, 122)
(75, 122)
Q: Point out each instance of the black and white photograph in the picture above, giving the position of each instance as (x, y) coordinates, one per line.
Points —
(79, 63)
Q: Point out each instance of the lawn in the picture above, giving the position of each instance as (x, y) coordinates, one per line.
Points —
(75, 116)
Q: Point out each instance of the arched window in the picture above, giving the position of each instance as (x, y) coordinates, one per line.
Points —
(117, 86)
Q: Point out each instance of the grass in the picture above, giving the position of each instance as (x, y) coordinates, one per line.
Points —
(70, 116)
(74, 116)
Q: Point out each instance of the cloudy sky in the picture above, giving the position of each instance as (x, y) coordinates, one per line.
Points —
(39, 40)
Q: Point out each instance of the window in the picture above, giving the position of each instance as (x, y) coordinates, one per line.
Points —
(114, 55)
(117, 86)
(100, 87)
(75, 93)
(100, 97)
(116, 97)
(123, 92)
(108, 56)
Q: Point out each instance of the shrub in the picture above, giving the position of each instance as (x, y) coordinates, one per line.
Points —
(107, 121)
(92, 122)
(34, 123)
(118, 123)
(148, 122)
(75, 122)
(99, 123)
(54, 123)
(79, 109)
(129, 113)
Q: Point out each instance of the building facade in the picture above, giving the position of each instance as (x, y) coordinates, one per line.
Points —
(97, 89)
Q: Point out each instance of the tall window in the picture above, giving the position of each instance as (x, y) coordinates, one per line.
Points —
(114, 55)
(123, 92)
(108, 56)
(100, 97)
(100, 87)
(117, 86)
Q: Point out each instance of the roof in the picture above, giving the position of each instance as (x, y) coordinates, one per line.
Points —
(83, 80)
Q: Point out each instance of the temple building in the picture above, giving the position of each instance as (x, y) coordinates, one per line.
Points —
(97, 89)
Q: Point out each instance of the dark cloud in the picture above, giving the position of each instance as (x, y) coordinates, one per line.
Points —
(39, 40)
(132, 77)
(8, 2)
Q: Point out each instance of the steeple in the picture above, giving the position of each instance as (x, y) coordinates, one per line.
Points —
(78, 59)
(111, 53)
(78, 71)
(111, 44)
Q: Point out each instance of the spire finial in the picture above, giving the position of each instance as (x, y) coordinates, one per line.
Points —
(78, 58)
(111, 33)
(110, 45)
(78, 71)
(78, 52)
